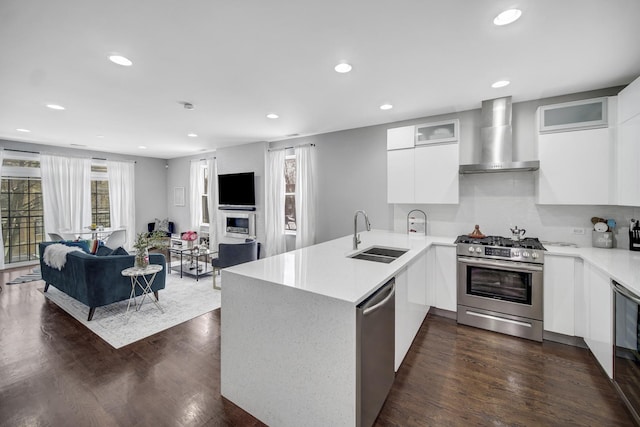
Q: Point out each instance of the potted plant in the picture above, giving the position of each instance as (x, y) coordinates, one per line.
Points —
(143, 242)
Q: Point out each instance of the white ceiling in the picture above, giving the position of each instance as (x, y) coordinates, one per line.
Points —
(237, 60)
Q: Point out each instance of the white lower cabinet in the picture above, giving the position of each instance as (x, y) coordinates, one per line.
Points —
(559, 294)
(411, 305)
(598, 316)
(445, 278)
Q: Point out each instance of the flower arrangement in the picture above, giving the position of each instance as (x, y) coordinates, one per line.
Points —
(189, 236)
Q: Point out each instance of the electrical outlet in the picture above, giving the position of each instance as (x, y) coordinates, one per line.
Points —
(577, 230)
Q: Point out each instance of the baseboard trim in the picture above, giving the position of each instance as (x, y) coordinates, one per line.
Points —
(564, 339)
(443, 313)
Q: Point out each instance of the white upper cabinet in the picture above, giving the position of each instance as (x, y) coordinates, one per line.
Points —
(629, 101)
(437, 132)
(577, 165)
(629, 145)
(423, 163)
(399, 138)
(576, 115)
(400, 176)
(436, 173)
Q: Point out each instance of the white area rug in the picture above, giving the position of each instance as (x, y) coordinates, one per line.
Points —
(181, 299)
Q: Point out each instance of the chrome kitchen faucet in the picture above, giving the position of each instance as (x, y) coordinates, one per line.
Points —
(356, 236)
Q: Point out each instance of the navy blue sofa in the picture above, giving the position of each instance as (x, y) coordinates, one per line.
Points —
(96, 280)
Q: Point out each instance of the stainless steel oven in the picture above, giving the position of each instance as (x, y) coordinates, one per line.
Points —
(501, 289)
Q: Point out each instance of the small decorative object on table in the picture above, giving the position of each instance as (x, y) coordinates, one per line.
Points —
(189, 237)
(477, 233)
(143, 242)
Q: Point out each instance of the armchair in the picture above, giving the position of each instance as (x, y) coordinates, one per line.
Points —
(230, 254)
(152, 225)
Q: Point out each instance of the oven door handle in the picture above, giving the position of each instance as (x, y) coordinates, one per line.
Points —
(494, 263)
(618, 288)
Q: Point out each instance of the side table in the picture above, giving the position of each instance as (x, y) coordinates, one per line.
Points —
(135, 273)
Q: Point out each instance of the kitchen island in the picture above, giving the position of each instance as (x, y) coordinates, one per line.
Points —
(288, 350)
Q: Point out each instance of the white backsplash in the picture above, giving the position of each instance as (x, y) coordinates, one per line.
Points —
(500, 201)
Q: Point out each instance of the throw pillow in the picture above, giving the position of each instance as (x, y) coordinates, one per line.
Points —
(162, 225)
(119, 251)
(93, 246)
(82, 244)
(104, 251)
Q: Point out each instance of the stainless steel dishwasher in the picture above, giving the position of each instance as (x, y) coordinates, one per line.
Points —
(626, 346)
(375, 341)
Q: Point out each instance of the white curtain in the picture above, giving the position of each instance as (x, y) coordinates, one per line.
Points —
(274, 201)
(212, 167)
(196, 190)
(1, 236)
(305, 197)
(122, 198)
(66, 192)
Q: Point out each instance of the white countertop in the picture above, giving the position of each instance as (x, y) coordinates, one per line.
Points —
(325, 268)
(621, 265)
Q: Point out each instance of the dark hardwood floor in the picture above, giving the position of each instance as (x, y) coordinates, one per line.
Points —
(55, 372)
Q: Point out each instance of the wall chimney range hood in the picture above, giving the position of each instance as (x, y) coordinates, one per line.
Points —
(495, 151)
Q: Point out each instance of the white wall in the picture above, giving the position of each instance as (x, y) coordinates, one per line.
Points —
(150, 176)
(352, 175)
(242, 158)
(499, 201)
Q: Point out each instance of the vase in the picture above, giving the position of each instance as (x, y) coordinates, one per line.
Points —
(142, 259)
(190, 244)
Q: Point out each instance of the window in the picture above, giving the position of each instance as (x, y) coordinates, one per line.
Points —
(205, 195)
(21, 205)
(100, 207)
(290, 193)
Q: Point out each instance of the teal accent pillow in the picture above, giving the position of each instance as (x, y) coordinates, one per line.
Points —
(104, 251)
(119, 251)
(82, 244)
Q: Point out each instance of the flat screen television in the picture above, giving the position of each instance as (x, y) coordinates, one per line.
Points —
(236, 189)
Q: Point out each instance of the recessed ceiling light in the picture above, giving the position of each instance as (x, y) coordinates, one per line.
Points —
(507, 17)
(23, 130)
(386, 107)
(192, 135)
(120, 60)
(77, 145)
(55, 106)
(343, 68)
(142, 147)
(99, 136)
(500, 83)
(272, 116)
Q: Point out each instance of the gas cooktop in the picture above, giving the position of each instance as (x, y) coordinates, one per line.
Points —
(496, 247)
(502, 242)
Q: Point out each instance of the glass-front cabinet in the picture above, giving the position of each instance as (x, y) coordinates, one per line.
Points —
(437, 132)
(576, 115)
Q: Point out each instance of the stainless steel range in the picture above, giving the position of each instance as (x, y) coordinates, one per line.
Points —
(500, 284)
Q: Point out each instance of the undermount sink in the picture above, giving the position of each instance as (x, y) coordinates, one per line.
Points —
(380, 254)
